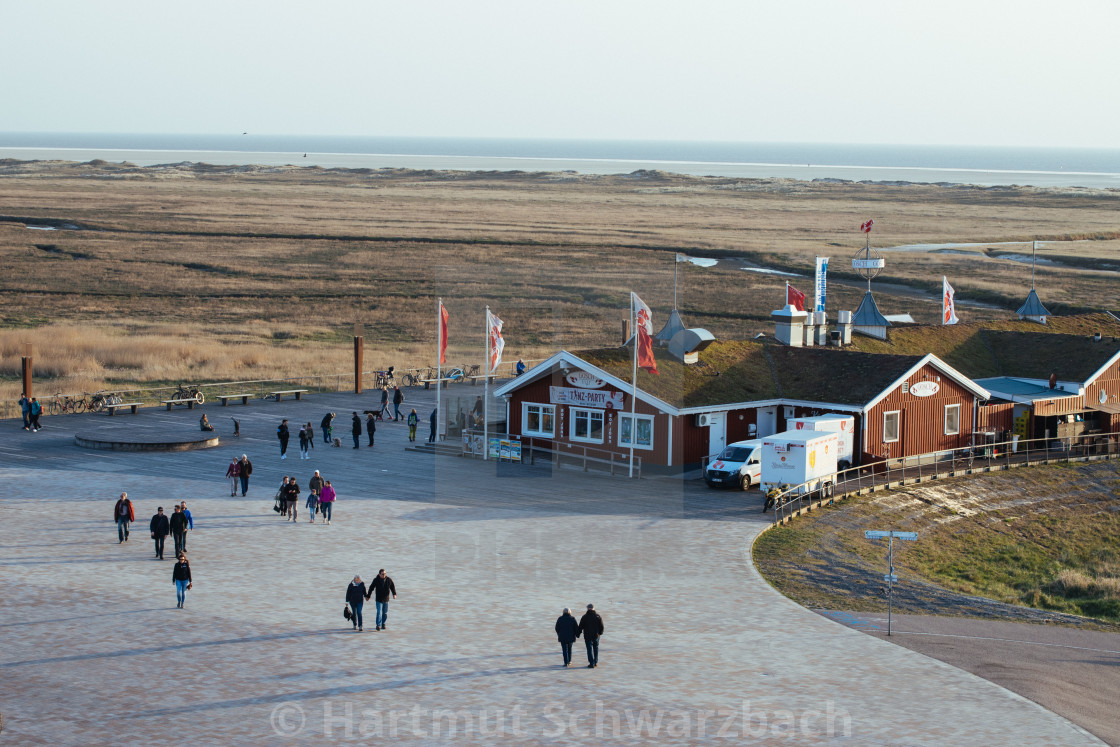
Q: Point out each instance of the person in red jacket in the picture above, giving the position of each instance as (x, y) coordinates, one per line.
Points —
(233, 472)
(123, 514)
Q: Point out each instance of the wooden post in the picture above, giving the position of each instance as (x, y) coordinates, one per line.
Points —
(26, 369)
(359, 355)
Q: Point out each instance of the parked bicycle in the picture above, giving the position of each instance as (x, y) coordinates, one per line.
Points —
(98, 400)
(65, 404)
(384, 378)
(186, 391)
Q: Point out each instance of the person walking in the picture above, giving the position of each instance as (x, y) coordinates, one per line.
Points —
(384, 402)
(303, 443)
(380, 589)
(312, 504)
(371, 429)
(190, 522)
(356, 429)
(567, 631)
(160, 528)
(181, 577)
(233, 472)
(178, 521)
(325, 424)
(413, 421)
(591, 626)
(34, 410)
(293, 499)
(310, 438)
(25, 408)
(246, 471)
(123, 514)
(355, 597)
(282, 434)
(282, 497)
(315, 484)
(326, 501)
(398, 399)
(433, 421)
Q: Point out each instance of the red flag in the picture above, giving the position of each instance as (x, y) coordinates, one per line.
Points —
(442, 333)
(643, 321)
(866, 226)
(795, 297)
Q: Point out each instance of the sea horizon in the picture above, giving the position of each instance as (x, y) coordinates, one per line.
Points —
(1096, 168)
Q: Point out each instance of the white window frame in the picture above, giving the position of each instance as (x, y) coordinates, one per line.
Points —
(946, 423)
(526, 431)
(590, 413)
(897, 429)
(624, 418)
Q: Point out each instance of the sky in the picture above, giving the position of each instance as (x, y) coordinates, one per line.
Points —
(982, 72)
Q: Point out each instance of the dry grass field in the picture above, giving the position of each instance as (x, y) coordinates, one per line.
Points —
(193, 272)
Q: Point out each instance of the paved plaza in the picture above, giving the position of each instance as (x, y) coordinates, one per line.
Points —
(698, 647)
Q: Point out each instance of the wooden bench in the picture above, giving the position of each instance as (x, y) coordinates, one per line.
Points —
(297, 392)
(428, 382)
(474, 379)
(130, 405)
(225, 398)
(190, 402)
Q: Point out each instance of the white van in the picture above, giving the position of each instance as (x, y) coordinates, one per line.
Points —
(739, 465)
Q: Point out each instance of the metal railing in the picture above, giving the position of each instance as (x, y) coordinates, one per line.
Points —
(577, 454)
(791, 501)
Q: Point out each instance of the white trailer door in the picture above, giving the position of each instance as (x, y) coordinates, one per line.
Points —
(717, 432)
(767, 421)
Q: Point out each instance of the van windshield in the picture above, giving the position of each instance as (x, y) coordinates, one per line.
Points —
(736, 454)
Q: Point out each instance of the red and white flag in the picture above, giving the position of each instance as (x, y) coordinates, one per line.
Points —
(795, 297)
(442, 333)
(948, 307)
(866, 226)
(643, 325)
(497, 344)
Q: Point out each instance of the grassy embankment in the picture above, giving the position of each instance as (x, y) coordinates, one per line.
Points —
(1043, 537)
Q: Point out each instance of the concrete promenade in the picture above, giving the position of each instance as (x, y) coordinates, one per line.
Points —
(698, 647)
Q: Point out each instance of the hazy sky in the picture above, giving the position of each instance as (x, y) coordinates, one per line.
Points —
(976, 72)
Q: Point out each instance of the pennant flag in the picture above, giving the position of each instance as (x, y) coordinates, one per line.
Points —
(443, 316)
(643, 324)
(948, 307)
(795, 297)
(822, 273)
(866, 226)
(497, 344)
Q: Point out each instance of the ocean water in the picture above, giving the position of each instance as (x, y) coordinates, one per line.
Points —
(986, 166)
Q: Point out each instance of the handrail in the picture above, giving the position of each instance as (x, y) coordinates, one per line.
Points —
(622, 461)
(792, 501)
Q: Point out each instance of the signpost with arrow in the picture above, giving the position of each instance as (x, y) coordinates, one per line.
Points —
(890, 578)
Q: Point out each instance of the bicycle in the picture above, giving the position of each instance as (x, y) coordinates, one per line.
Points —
(65, 404)
(98, 401)
(408, 378)
(186, 391)
(384, 378)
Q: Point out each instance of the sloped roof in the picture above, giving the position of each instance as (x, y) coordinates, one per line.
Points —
(672, 327)
(1032, 306)
(867, 315)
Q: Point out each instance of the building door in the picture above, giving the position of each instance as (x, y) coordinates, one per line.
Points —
(717, 432)
(767, 421)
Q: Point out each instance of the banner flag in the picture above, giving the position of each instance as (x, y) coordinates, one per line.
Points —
(643, 325)
(948, 306)
(821, 278)
(866, 226)
(795, 297)
(443, 316)
(497, 344)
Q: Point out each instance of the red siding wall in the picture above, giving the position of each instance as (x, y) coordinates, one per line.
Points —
(922, 419)
(1109, 383)
(996, 417)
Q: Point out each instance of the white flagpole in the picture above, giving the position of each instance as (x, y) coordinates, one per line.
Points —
(486, 392)
(634, 378)
(439, 364)
(675, 263)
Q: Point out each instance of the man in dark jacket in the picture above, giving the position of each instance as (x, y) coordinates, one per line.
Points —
(178, 523)
(433, 420)
(567, 631)
(123, 513)
(380, 588)
(315, 484)
(160, 527)
(325, 424)
(356, 597)
(246, 470)
(282, 434)
(371, 428)
(356, 429)
(398, 398)
(591, 626)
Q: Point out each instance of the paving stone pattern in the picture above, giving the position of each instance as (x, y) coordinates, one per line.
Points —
(698, 647)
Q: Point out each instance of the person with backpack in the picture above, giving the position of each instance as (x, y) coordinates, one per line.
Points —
(282, 434)
(35, 409)
(123, 514)
(413, 421)
(303, 439)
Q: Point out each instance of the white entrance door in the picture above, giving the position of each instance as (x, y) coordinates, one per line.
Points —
(717, 432)
(767, 421)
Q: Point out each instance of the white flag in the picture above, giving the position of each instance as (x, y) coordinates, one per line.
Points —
(819, 283)
(698, 261)
(948, 308)
(497, 344)
(642, 316)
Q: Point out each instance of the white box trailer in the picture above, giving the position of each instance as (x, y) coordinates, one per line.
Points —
(845, 425)
(802, 457)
